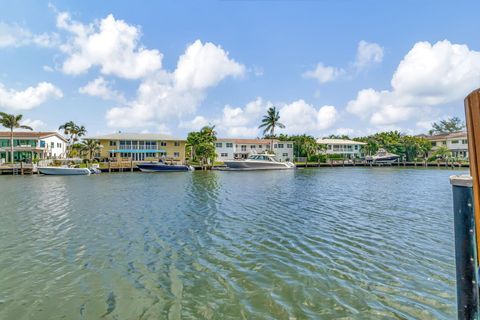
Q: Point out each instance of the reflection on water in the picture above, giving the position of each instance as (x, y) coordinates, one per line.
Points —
(356, 243)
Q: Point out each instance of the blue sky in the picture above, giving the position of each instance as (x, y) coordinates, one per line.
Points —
(353, 67)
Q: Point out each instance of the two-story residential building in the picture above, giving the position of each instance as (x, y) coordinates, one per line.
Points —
(347, 149)
(456, 142)
(140, 147)
(232, 148)
(28, 146)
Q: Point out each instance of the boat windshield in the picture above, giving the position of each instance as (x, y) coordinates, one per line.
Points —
(260, 157)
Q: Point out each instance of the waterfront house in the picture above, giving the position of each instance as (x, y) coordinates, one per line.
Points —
(28, 146)
(346, 149)
(140, 147)
(456, 142)
(232, 148)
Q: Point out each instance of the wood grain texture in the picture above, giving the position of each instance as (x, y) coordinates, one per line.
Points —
(472, 116)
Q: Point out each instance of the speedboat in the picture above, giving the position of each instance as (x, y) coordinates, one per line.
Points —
(382, 156)
(163, 167)
(64, 171)
(258, 162)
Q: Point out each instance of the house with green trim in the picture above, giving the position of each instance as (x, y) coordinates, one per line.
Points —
(28, 146)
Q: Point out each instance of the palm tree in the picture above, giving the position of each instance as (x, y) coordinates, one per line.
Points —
(11, 122)
(91, 147)
(442, 153)
(271, 121)
(73, 132)
(310, 147)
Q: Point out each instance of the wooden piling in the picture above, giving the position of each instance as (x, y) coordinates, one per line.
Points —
(109, 166)
(472, 116)
(21, 168)
(131, 165)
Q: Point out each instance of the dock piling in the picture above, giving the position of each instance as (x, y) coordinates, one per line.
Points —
(465, 247)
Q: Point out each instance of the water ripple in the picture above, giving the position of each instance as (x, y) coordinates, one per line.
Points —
(352, 243)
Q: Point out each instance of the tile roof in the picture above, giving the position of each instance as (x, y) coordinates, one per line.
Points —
(443, 136)
(31, 134)
(339, 141)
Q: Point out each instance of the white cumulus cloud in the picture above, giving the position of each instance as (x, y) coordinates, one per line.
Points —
(29, 98)
(324, 74)
(429, 75)
(36, 125)
(173, 95)
(368, 54)
(111, 44)
(300, 117)
(13, 35)
(101, 88)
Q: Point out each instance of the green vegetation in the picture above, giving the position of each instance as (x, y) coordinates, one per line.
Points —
(442, 153)
(447, 126)
(90, 147)
(408, 147)
(269, 122)
(73, 132)
(202, 145)
(11, 121)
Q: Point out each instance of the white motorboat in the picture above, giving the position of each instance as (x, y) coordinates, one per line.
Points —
(64, 171)
(259, 162)
(382, 156)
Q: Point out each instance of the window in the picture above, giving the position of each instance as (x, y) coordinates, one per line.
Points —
(252, 146)
(225, 155)
(59, 145)
(113, 143)
(329, 147)
(464, 141)
(176, 143)
(280, 146)
(289, 145)
(285, 154)
(454, 141)
(218, 145)
(260, 146)
(176, 154)
(275, 146)
(163, 143)
(52, 145)
(356, 147)
(229, 145)
(444, 143)
(113, 155)
(243, 147)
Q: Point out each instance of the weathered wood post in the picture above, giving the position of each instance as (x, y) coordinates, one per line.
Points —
(131, 165)
(21, 168)
(109, 166)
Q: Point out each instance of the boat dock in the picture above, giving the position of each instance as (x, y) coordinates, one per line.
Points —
(111, 167)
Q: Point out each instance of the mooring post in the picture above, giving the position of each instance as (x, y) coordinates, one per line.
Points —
(465, 247)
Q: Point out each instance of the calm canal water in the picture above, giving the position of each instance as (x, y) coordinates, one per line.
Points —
(344, 243)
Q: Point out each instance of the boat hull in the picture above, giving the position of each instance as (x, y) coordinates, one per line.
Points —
(149, 167)
(58, 171)
(257, 165)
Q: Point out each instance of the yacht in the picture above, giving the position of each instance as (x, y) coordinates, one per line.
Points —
(64, 171)
(382, 156)
(162, 166)
(258, 162)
